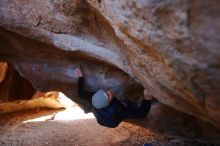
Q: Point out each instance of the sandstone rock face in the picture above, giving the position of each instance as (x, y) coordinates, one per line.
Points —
(13, 86)
(169, 47)
(164, 119)
(3, 69)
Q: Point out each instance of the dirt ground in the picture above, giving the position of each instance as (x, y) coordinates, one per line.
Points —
(71, 127)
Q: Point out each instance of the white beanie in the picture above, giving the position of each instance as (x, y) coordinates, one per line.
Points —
(100, 99)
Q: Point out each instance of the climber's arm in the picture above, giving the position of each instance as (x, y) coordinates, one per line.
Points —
(83, 94)
(132, 112)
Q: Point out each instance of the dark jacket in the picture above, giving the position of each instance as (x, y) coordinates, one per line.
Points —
(116, 112)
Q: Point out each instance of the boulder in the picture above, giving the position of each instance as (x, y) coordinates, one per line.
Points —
(171, 48)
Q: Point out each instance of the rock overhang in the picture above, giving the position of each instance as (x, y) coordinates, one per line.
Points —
(176, 58)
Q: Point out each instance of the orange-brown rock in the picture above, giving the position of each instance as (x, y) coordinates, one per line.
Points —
(14, 86)
(3, 69)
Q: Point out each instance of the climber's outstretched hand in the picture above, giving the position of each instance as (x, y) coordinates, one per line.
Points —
(147, 96)
(79, 72)
(110, 95)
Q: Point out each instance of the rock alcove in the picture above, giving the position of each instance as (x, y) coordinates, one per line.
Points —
(171, 48)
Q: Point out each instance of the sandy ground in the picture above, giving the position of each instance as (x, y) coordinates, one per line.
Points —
(71, 127)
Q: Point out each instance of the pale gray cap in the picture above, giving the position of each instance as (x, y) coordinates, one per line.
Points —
(100, 99)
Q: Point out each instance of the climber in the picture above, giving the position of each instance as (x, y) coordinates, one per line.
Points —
(109, 111)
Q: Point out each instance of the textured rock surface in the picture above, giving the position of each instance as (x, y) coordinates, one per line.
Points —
(169, 47)
(49, 69)
(44, 101)
(13, 86)
(3, 69)
(165, 120)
